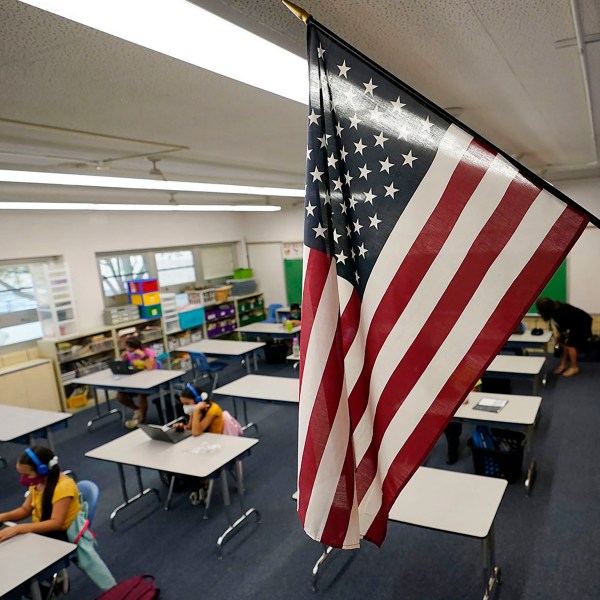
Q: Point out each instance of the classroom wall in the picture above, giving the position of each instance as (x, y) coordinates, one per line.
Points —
(265, 235)
(583, 282)
(79, 235)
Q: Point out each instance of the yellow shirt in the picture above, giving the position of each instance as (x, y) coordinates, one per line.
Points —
(217, 423)
(65, 488)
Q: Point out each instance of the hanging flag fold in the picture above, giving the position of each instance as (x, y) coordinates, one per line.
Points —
(424, 248)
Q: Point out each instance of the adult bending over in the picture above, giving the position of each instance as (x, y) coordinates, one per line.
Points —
(573, 327)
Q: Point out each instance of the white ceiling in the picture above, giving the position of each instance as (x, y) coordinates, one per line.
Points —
(76, 100)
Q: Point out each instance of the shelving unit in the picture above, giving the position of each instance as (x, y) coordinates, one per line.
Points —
(75, 356)
(249, 308)
(54, 297)
(84, 353)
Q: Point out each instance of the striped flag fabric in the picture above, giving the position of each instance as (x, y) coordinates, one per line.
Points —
(424, 248)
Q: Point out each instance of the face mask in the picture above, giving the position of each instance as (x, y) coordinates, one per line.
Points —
(188, 409)
(27, 481)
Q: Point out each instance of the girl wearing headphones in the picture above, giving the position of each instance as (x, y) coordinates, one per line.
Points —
(53, 499)
(204, 414)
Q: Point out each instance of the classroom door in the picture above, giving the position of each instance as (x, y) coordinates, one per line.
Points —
(267, 264)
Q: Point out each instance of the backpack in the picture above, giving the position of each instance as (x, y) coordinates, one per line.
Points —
(140, 587)
(230, 424)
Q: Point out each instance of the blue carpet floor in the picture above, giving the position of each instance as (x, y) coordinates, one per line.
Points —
(546, 544)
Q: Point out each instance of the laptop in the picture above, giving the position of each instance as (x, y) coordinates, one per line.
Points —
(164, 433)
(122, 367)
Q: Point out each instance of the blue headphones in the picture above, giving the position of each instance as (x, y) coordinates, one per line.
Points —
(197, 397)
(40, 467)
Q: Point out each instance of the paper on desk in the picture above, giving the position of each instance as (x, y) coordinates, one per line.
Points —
(205, 448)
(491, 404)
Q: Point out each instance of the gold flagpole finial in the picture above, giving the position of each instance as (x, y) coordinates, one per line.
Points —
(299, 12)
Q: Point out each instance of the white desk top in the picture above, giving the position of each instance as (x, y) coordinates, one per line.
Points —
(268, 329)
(16, 421)
(143, 380)
(518, 365)
(449, 501)
(294, 357)
(520, 410)
(24, 556)
(222, 347)
(188, 457)
(528, 338)
(262, 387)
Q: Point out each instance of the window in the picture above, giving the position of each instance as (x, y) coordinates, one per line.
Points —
(18, 308)
(175, 267)
(116, 270)
(217, 261)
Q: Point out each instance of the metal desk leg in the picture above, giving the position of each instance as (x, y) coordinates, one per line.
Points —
(327, 550)
(163, 404)
(255, 361)
(532, 468)
(247, 361)
(34, 589)
(109, 412)
(491, 572)
(248, 425)
(233, 525)
(126, 500)
(3, 461)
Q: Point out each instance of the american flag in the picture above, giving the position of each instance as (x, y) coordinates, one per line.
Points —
(424, 247)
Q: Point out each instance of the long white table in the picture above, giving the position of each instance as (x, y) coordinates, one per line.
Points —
(142, 382)
(17, 421)
(24, 556)
(227, 348)
(519, 414)
(457, 503)
(260, 388)
(270, 330)
(200, 456)
(519, 367)
(528, 340)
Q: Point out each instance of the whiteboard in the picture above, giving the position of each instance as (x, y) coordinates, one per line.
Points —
(583, 280)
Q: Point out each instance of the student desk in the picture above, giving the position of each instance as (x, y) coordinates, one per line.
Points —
(520, 413)
(143, 382)
(25, 556)
(268, 330)
(260, 388)
(453, 502)
(227, 348)
(519, 367)
(519, 341)
(16, 421)
(200, 456)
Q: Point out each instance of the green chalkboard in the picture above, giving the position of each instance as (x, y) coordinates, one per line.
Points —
(556, 288)
(293, 280)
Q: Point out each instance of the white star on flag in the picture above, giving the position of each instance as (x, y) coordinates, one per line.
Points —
(343, 70)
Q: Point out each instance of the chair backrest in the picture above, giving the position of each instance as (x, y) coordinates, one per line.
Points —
(199, 358)
(90, 493)
(272, 313)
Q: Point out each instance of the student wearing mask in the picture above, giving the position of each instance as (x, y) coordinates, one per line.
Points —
(141, 358)
(53, 499)
(203, 413)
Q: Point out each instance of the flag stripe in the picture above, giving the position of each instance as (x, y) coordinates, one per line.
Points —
(522, 245)
(553, 249)
(455, 297)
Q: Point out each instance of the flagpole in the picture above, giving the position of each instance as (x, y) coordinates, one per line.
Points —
(536, 179)
(299, 12)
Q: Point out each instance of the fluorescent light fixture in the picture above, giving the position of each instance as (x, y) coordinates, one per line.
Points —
(184, 31)
(128, 183)
(137, 207)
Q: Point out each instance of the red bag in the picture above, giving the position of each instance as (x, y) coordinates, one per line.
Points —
(140, 587)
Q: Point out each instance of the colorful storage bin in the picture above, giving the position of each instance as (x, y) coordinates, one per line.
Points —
(150, 312)
(147, 299)
(141, 286)
(191, 318)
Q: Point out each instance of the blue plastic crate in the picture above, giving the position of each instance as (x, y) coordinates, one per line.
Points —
(191, 318)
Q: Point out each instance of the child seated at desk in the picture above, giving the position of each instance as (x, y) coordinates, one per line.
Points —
(141, 358)
(204, 414)
(53, 499)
